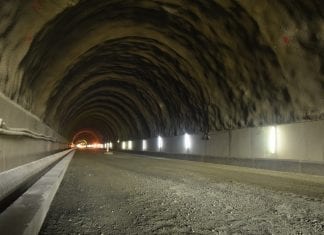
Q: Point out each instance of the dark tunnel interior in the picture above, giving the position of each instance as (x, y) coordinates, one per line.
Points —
(128, 69)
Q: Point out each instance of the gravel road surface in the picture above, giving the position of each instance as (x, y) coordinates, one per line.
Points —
(131, 194)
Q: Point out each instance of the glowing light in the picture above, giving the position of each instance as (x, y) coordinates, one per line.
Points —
(144, 145)
(130, 145)
(111, 145)
(95, 146)
(118, 141)
(88, 132)
(187, 141)
(81, 146)
(160, 142)
(272, 141)
(123, 145)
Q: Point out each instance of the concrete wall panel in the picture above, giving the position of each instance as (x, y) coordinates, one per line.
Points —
(291, 142)
(240, 143)
(219, 144)
(18, 150)
(259, 143)
(199, 146)
(314, 138)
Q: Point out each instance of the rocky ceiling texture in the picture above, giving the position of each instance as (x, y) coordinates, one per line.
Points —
(138, 68)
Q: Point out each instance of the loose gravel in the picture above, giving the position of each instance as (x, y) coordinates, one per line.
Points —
(127, 194)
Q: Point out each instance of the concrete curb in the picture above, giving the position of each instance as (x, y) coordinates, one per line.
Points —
(14, 178)
(26, 215)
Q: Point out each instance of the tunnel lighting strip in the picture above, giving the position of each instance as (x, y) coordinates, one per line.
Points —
(130, 145)
(187, 142)
(4, 130)
(144, 145)
(123, 145)
(160, 142)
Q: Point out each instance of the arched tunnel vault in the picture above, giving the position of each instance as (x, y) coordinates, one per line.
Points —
(139, 68)
(87, 135)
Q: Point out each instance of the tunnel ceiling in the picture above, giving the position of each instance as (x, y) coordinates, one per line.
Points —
(139, 68)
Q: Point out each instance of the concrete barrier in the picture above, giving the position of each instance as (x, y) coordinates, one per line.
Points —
(13, 179)
(26, 215)
(18, 150)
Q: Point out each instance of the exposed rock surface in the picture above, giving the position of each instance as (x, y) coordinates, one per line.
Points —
(138, 68)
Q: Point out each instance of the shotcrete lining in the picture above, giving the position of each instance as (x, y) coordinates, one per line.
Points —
(141, 68)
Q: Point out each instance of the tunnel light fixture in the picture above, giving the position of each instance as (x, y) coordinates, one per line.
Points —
(123, 145)
(130, 145)
(144, 145)
(272, 141)
(160, 142)
(110, 145)
(118, 141)
(187, 142)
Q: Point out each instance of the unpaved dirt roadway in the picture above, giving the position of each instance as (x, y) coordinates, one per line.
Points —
(125, 194)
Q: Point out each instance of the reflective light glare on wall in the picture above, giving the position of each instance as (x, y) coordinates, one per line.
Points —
(272, 139)
(123, 145)
(130, 145)
(144, 145)
(187, 141)
(160, 142)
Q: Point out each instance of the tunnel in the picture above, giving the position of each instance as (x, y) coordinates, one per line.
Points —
(187, 101)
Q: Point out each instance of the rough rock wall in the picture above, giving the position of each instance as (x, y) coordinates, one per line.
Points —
(138, 68)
